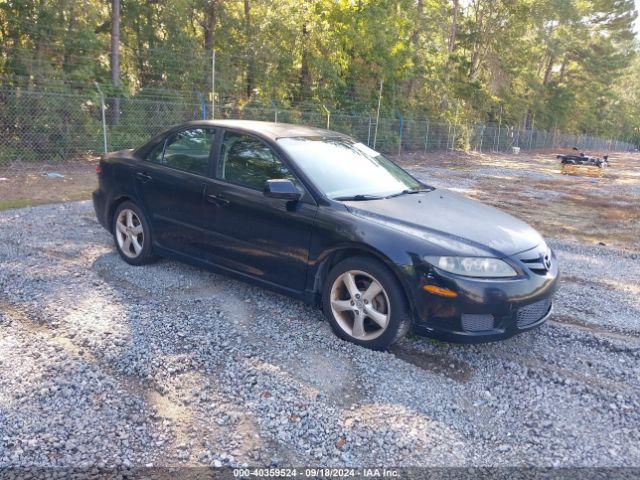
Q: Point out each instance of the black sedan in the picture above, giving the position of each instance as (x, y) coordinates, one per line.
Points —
(321, 217)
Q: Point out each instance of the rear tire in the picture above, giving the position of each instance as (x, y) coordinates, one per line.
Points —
(132, 234)
(365, 304)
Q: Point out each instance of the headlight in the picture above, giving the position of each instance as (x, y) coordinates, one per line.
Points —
(473, 266)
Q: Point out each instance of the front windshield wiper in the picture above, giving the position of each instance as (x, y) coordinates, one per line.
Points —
(409, 191)
(359, 197)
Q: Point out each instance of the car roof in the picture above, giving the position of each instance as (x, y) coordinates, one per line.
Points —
(270, 129)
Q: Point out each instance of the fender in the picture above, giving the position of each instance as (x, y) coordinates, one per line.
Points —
(319, 268)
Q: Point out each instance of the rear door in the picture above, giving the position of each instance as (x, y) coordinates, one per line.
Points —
(263, 237)
(171, 184)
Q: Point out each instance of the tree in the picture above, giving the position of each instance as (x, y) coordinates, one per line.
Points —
(115, 58)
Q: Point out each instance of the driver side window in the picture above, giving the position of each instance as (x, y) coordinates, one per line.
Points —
(246, 161)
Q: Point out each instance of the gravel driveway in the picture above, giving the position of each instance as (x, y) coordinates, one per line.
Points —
(104, 364)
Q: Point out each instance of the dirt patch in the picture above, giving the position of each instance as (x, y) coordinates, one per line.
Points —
(628, 337)
(47, 184)
(437, 363)
(595, 209)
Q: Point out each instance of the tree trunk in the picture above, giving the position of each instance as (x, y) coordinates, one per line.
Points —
(415, 47)
(547, 72)
(249, 49)
(211, 17)
(115, 59)
(210, 20)
(475, 65)
(453, 32)
(563, 69)
(305, 74)
(67, 52)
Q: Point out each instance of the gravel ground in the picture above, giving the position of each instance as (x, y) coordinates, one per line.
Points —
(104, 364)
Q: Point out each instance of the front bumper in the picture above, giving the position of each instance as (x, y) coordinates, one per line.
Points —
(508, 329)
(484, 310)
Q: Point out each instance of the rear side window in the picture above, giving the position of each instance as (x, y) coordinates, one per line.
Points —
(246, 161)
(188, 150)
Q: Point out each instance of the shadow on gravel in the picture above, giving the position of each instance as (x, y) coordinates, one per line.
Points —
(434, 362)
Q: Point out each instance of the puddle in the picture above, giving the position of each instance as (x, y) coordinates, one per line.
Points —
(436, 363)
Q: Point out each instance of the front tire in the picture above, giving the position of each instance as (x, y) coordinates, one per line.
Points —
(364, 303)
(131, 234)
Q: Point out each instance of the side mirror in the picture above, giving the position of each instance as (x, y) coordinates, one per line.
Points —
(282, 189)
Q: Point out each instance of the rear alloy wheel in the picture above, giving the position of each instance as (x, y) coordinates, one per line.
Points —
(131, 234)
(364, 304)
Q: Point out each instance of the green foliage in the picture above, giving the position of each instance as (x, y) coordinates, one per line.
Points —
(566, 64)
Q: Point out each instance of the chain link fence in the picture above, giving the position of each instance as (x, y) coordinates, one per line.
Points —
(40, 129)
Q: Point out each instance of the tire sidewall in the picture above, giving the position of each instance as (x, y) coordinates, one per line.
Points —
(400, 315)
(146, 254)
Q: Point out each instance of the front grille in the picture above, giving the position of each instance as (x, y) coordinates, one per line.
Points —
(538, 259)
(530, 314)
(476, 323)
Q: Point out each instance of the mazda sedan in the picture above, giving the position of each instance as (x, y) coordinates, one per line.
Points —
(321, 217)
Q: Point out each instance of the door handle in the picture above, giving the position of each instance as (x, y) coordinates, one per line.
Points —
(143, 177)
(217, 199)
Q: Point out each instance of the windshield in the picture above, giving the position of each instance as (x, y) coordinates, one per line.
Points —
(343, 169)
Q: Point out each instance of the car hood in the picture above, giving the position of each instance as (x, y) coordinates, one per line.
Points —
(452, 222)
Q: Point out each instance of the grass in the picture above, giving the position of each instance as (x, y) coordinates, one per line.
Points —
(14, 203)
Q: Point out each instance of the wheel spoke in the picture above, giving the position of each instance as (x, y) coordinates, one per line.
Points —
(350, 283)
(380, 318)
(372, 291)
(137, 230)
(129, 218)
(358, 326)
(126, 246)
(121, 228)
(341, 305)
(136, 245)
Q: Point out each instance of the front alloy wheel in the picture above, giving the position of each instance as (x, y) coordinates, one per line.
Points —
(365, 304)
(360, 305)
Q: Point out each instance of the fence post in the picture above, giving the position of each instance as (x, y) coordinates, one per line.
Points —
(401, 118)
(369, 133)
(203, 106)
(213, 84)
(481, 137)
(328, 116)
(104, 119)
(375, 133)
(426, 137)
(453, 138)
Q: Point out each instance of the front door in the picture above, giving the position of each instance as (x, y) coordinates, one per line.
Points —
(248, 232)
(171, 185)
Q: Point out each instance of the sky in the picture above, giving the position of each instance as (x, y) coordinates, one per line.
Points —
(638, 19)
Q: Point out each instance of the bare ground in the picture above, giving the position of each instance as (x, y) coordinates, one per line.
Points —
(586, 204)
(26, 185)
